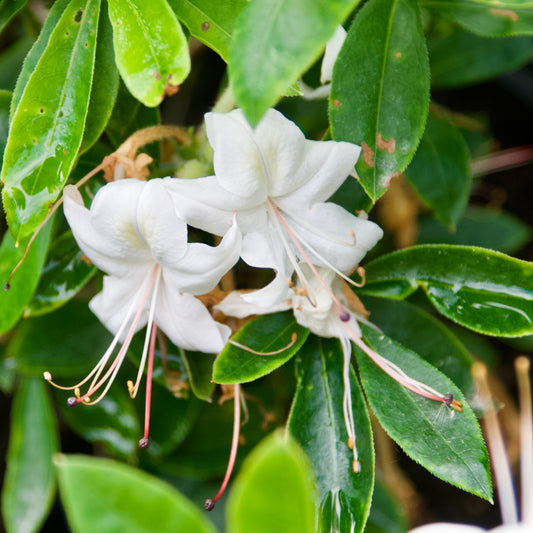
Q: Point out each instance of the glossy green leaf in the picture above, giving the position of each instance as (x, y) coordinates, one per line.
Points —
(420, 332)
(380, 90)
(317, 423)
(480, 226)
(274, 490)
(267, 333)
(105, 83)
(34, 55)
(5, 99)
(483, 290)
(151, 50)
(8, 9)
(47, 126)
(210, 21)
(109, 497)
(486, 17)
(67, 343)
(63, 275)
(24, 282)
(200, 371)
(460, 58)
(275, 43)
(440, 171)
(450, 447)
(29, 485)
(112, 423)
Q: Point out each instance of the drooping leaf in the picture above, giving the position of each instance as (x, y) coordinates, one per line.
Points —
(317, 423)
(24, 282)
(210, 21)
(66, 343)
(267, 333)
(483, 290)
(380, 90)
(151, 50)
(275, 43)
(48, 122)
(30, 484)
(479, 226)
(486, 17)
(440, 171)
(63, 275)
(274, 490)
(200, 371)
(460, 58)
(418, 331)
(112, 423)
(9, 9)
(105, 83)
(450, 447)
(110, 497)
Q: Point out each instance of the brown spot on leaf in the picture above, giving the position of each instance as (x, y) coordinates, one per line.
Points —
(205, 26)
(507, 13)
(368, 155)
(336, 103)
(78, 15)
(397, 54)
(389, 146)
(156, 75)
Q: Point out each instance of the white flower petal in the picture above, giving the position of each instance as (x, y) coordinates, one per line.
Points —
(333, 47)
(187, 322)
(201, 268)
(338, 236)
(442, 527)
(235, 305)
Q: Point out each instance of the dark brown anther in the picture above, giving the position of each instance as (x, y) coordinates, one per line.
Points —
(209, 505)
(344, 316)
(448, 399)
(72, 401)
(144, 443)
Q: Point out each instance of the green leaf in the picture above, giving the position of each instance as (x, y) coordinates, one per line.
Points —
(459, 58)
(11, 61)
(276, 42)
(210, 21)
(125, 499)
(440, 171)
(47, 126)
(8, 9)
(5, 99)
(451, 448)
(380, 90)
(274, 490)
(482, 290)
(67, 343)
(420, 332)
(63, 275)
(112, 423)
(105, 83)
(317, 422)
(264, 334)
(200, 370)
(29, 485)
(480, 226)
(151, 50)
(24, 282)
(486, 17)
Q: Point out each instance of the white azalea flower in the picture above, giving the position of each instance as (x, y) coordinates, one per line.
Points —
(278, 183)
(133, 233)
(330, 314)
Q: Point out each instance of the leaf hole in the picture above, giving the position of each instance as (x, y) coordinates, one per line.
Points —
(78, 15)
(67, 33)
(86, 44)
(41, 110)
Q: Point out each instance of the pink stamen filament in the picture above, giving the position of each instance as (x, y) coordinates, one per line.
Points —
(293, 238)
(114, 368)
(209, 504)
(149, 374)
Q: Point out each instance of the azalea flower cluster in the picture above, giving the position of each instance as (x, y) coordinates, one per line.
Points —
(268, 202)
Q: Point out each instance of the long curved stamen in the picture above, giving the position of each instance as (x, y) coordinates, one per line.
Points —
(294, 338)
(500, 464)
(210, 504)
(104, 359)
(114, 368)
(133, 389)
(526, 438)
(345, 316)
(347, 409)
(145, 442)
